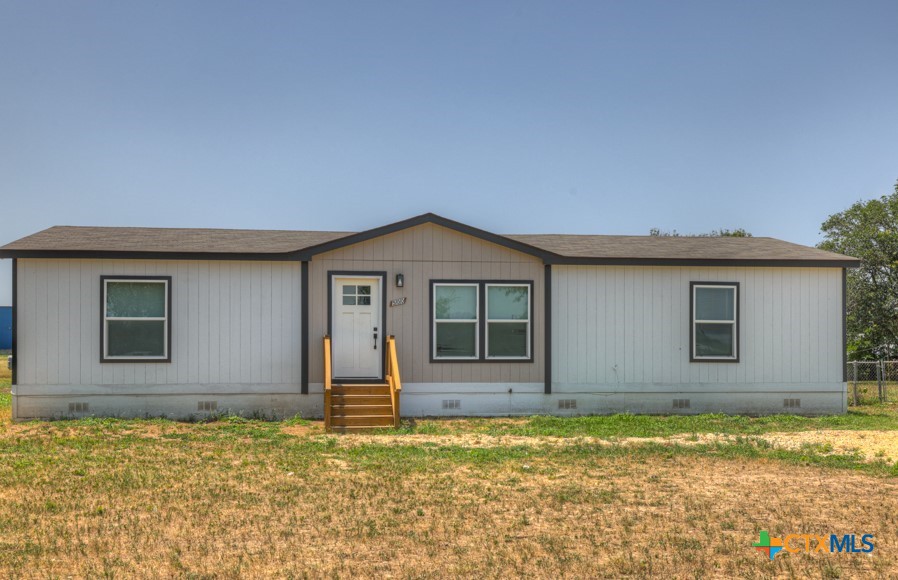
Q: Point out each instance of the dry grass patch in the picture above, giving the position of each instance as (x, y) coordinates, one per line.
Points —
(237, 498)
(220, 501)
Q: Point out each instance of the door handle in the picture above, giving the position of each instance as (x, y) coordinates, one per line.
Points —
(375, 338)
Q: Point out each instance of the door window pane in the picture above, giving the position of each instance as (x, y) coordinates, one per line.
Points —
(508, 302)
(349, 301)
(364, 290)
(456, 339)
(714, 339)
(715, 304)
(364, 301)
(456, 302)
(136, 338)
(507, 339)
(135, 299)
(348, 289)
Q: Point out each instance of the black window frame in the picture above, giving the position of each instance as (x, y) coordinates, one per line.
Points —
(168, 316)
(482, 322)
(737, 323)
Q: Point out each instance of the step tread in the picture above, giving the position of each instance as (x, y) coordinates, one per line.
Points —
(390, 415)
(350, 385)
(362, 420)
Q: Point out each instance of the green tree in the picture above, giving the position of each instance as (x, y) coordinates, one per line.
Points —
(721, 233)
(869, 230)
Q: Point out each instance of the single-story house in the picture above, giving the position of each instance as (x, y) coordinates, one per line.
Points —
(446, 318)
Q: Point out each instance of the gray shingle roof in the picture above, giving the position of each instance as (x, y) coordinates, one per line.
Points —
(70, 240)
(218, 241)
(668, 248)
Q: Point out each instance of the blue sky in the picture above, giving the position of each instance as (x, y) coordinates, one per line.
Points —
(582, 117)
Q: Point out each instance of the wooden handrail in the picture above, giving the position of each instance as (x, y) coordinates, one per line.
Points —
(327, 383)
(392, 376)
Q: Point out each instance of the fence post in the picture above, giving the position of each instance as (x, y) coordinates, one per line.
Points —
(854, 364)
(879, 379)
(885, 382)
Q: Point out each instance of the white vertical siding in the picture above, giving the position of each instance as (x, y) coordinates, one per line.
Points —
(619, 325)
(232, 323)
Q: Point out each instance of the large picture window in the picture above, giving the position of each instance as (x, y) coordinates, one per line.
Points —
(715, 321)
(481, 321)
(136, 319)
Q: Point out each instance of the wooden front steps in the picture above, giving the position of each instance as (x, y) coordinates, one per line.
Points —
(350, 408)
(359, 407)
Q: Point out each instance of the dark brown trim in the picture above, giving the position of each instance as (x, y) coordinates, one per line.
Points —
(738, 333)
(304, 328)
(15, 327)
(545, 256)
(547, 322)
(169, 313)
(382, 330)
(844, 325)
(705, 262)
(427, 218)
(114, 255)
(482, 322)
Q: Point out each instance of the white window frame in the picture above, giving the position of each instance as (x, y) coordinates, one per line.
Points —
(166, 319)
(734, 286)
(488, 320)
(475, 320)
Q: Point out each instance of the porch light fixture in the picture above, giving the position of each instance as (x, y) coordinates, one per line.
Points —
(400, 280)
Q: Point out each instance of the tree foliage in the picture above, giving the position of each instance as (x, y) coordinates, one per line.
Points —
(869, 230)
(721, 233)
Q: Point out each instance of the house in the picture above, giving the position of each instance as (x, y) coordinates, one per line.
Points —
(187, 322)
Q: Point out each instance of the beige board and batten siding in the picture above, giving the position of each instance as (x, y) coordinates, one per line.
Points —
(236, 338)
(624, 331)
(424, 253)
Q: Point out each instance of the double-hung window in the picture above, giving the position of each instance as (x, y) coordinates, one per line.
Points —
(136, 319)
(507, 321)
(715, 321)
(456, 321)
(482, 320)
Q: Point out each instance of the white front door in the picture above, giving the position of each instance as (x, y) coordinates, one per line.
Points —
(357, 331)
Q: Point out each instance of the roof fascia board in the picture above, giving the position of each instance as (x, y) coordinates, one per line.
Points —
(428, 218)
(131, 255)
(729, 263)
(550, 259)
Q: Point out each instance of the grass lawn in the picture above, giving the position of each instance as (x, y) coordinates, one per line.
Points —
(583, 497)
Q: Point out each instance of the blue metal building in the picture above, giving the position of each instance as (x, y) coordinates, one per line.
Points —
(5, 327)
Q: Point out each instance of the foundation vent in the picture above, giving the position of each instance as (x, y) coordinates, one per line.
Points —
(207, 406)
(567, 403)
(78, 407)
(681, 403)
(451, 404)
(792, 403)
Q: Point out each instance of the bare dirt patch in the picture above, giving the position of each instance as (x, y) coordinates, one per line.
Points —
(311, 428)
(481, 441)
(871, 445)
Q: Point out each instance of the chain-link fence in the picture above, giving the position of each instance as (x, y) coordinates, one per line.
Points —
(874, 381)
